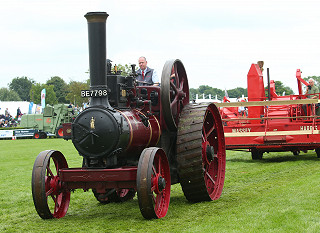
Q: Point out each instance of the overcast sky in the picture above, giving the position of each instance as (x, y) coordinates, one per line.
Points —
(216, 40)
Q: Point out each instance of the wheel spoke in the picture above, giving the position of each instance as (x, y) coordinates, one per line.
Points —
(53, 198)
(154, 170)
(204, 134)
(210, 131)
(157, 203)
(49, 172)
(153, 188)
(181, 85)
(56, 204)
(204, 138)
(176, 90)
(208, 175)
(49, 192)
(154, 199)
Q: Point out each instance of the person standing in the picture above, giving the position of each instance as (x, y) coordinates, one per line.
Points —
(312, 92)
(146, 76)
(19, 112)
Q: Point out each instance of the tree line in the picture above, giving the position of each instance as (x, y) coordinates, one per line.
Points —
(58, 91)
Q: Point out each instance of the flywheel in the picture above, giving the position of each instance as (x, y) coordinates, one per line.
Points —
(174, 92)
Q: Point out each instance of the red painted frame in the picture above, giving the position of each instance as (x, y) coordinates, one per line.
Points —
(256, 131)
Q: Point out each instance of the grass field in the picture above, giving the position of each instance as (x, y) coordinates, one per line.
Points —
(278, 194)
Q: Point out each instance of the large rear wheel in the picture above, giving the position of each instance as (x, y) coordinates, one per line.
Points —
(50, 197)
(201, 153)
(153, 183)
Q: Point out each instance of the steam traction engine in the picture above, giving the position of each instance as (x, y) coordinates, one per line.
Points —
(134, 139)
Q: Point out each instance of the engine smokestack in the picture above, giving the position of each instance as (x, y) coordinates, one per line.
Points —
(97, 55)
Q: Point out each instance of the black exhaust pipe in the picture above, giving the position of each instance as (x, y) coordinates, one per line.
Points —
(97, 57)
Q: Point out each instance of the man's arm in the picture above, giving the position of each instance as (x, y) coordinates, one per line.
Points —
(155, 78)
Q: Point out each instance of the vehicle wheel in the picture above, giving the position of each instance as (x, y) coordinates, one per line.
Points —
(201, 153)
(295, 152)
(174, 92)
(153, 183)
(43, 135)
(318, 152)
(37, 135)
(59, 132)
(50, 197)
(256, 154)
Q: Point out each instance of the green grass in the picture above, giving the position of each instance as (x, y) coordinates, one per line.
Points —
(278, 194)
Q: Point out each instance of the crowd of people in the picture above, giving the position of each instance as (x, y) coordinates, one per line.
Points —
(7, 120)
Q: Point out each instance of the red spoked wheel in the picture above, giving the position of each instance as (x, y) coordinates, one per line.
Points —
(153, 183)
(50, 197)
(213, 152)
(201, 152)
(174, 92)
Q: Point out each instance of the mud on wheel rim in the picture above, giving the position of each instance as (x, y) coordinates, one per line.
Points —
(201, 152)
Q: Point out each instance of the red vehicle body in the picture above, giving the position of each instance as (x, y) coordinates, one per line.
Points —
(273, 123)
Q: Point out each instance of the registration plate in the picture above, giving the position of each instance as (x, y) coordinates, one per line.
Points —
(94, 93)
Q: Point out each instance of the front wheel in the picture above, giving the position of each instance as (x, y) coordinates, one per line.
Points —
(153, 183)
(50, 197)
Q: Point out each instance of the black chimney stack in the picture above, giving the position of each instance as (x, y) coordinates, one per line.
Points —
(97, 54)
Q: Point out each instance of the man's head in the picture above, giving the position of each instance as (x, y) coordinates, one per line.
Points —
(142, 63)
(311, 81)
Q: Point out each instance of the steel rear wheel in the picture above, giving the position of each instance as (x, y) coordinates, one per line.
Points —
(153, 183)
(174, 92)
(50, 198)
(201, 152)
